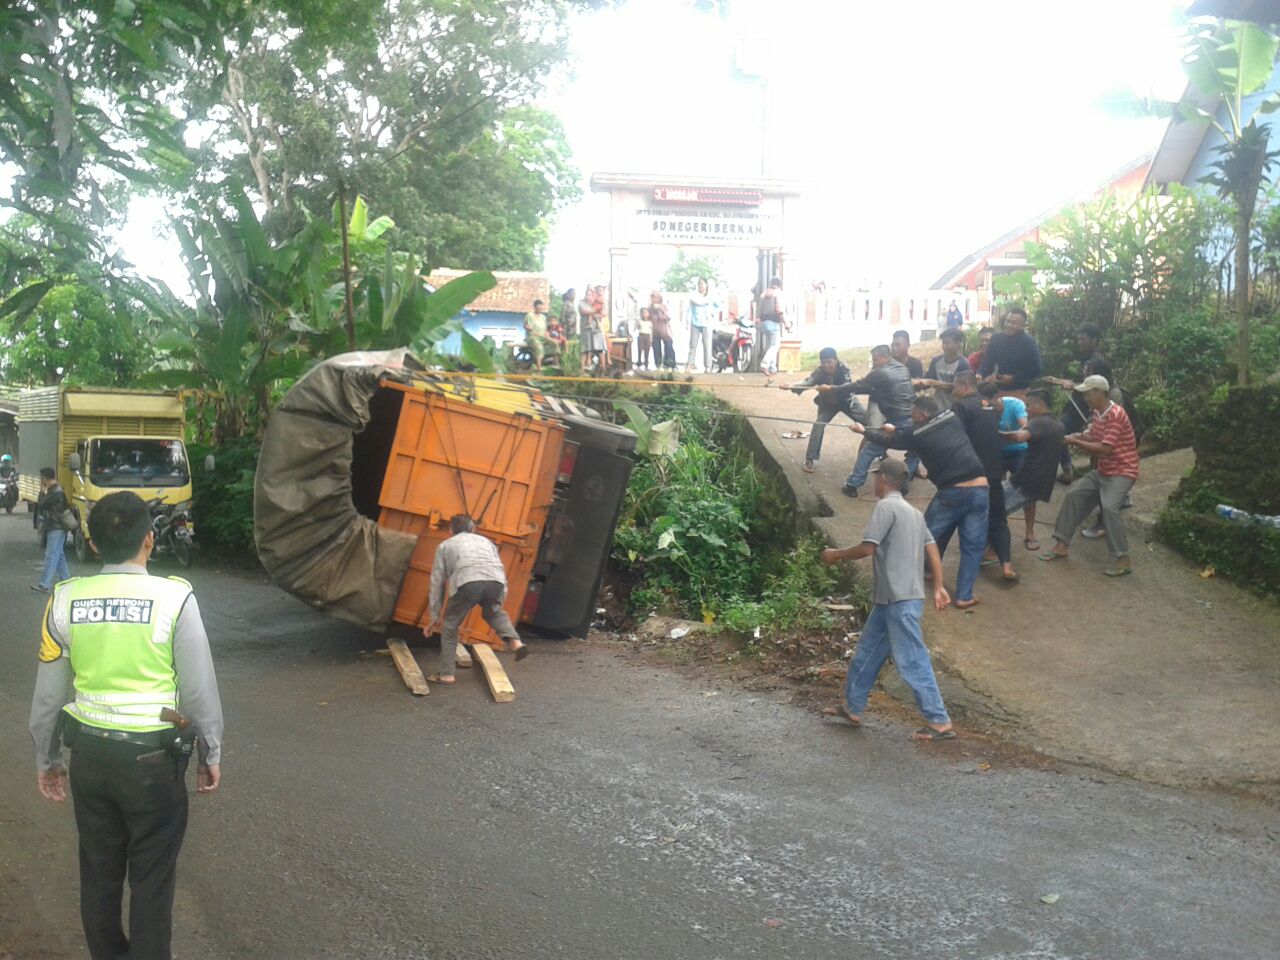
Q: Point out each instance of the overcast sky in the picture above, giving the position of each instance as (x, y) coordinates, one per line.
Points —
(918, 130)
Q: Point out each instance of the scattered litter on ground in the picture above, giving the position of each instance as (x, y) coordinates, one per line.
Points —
(1050, 898)
(678, 632)
(771, 923)
(1208, 572)
(795, 434)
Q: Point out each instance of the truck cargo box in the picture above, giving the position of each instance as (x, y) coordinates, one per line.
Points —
(367, 459)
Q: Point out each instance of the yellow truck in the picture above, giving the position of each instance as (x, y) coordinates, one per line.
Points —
(101, 441)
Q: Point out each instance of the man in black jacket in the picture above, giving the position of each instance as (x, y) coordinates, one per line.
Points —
(830, 372)
(961, 502)
(51, 507)
(889, 387)
(981, 418)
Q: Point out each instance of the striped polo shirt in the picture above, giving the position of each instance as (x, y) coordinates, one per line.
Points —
(1112, 427)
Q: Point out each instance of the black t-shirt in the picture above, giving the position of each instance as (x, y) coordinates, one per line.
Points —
(1096, 365)
(1035, 477)
(982, 424)
(914, 367)
(1018, 357)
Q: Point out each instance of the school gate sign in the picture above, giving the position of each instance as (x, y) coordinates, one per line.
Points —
(696, 212)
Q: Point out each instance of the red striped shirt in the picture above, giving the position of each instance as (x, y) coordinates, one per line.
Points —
(1112, 427)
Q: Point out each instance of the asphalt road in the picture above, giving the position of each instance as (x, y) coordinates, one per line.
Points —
(617, 810)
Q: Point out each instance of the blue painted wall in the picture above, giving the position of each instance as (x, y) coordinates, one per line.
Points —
(502, 326)
(1206, 154)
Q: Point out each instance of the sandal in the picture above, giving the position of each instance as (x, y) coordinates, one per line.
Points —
(1118, 572)
(1031, 543)
(1052, 555)
(930, 734)
(447, 679)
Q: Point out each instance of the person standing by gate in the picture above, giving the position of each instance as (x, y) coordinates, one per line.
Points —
(702, 310)
(664, 348)
(773, 320)
(120, 653)
(470, 565)
(52, 510)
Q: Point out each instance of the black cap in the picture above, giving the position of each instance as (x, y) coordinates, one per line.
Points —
(827, 353)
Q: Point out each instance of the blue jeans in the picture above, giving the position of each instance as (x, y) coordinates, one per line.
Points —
(964, 509)
(894, 628)
(871, 452)
(55, 559)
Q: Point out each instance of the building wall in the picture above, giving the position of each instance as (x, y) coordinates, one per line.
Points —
(504, 327)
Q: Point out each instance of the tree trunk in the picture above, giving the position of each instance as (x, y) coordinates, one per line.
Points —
(1245, 203)
(1241, 292)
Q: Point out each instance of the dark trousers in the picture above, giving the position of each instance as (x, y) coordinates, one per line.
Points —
(849, 406)
(487, 594)
(998, 523)
(131, 818)
(664, 352)
(644, 342)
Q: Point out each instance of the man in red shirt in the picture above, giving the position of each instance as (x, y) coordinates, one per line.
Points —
(984, 341)
(1109, 437)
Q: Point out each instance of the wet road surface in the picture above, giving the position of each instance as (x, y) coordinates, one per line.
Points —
(617, 810)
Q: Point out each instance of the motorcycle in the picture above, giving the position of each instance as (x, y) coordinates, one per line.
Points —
(9, 495)
(734, 349)
(171, 526)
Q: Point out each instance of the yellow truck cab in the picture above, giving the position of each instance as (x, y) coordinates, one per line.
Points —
(101, 441)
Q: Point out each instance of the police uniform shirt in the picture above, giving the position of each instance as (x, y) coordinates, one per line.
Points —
(198, 698)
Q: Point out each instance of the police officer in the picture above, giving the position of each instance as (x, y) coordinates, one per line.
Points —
(116, 650)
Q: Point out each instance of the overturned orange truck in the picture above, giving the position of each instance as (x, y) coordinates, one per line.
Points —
(367, 458)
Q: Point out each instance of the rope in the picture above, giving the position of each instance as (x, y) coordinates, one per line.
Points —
(626, 381)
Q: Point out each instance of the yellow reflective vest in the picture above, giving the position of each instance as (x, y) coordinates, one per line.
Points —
(120, 629)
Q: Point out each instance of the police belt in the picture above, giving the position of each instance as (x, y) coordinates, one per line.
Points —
(143, 738)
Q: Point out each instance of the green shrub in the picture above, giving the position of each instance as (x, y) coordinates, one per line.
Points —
(1238, 464)
(791, 598)
(223, 499)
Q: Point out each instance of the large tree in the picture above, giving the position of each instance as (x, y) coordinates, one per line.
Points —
(422, 117)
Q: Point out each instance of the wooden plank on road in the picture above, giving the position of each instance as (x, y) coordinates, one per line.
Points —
(499, 684)
(410, 672)
(464, 657)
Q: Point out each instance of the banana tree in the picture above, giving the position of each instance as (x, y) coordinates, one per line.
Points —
(1228, 66)
(238, 338)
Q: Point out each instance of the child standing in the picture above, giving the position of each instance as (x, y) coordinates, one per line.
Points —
(644, 338)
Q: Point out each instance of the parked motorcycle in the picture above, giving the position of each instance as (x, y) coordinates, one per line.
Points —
(734, 348)
(9, 495)
(171, 525)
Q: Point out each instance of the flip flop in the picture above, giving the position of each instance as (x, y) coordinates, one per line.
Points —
(522, 651)
(842, 713)
(1051, 556)
(1032, 544)
(965, 604)
(438, 678)
(987, 563)
(928, 734)
(1011, 577)
(1121, 572)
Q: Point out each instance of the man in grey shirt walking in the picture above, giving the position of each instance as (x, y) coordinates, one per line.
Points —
(896, 539)
(470, 565)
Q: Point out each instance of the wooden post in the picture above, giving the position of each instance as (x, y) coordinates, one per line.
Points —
(410, 672)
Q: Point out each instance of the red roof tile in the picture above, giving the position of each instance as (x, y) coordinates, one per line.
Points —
(514, 293)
